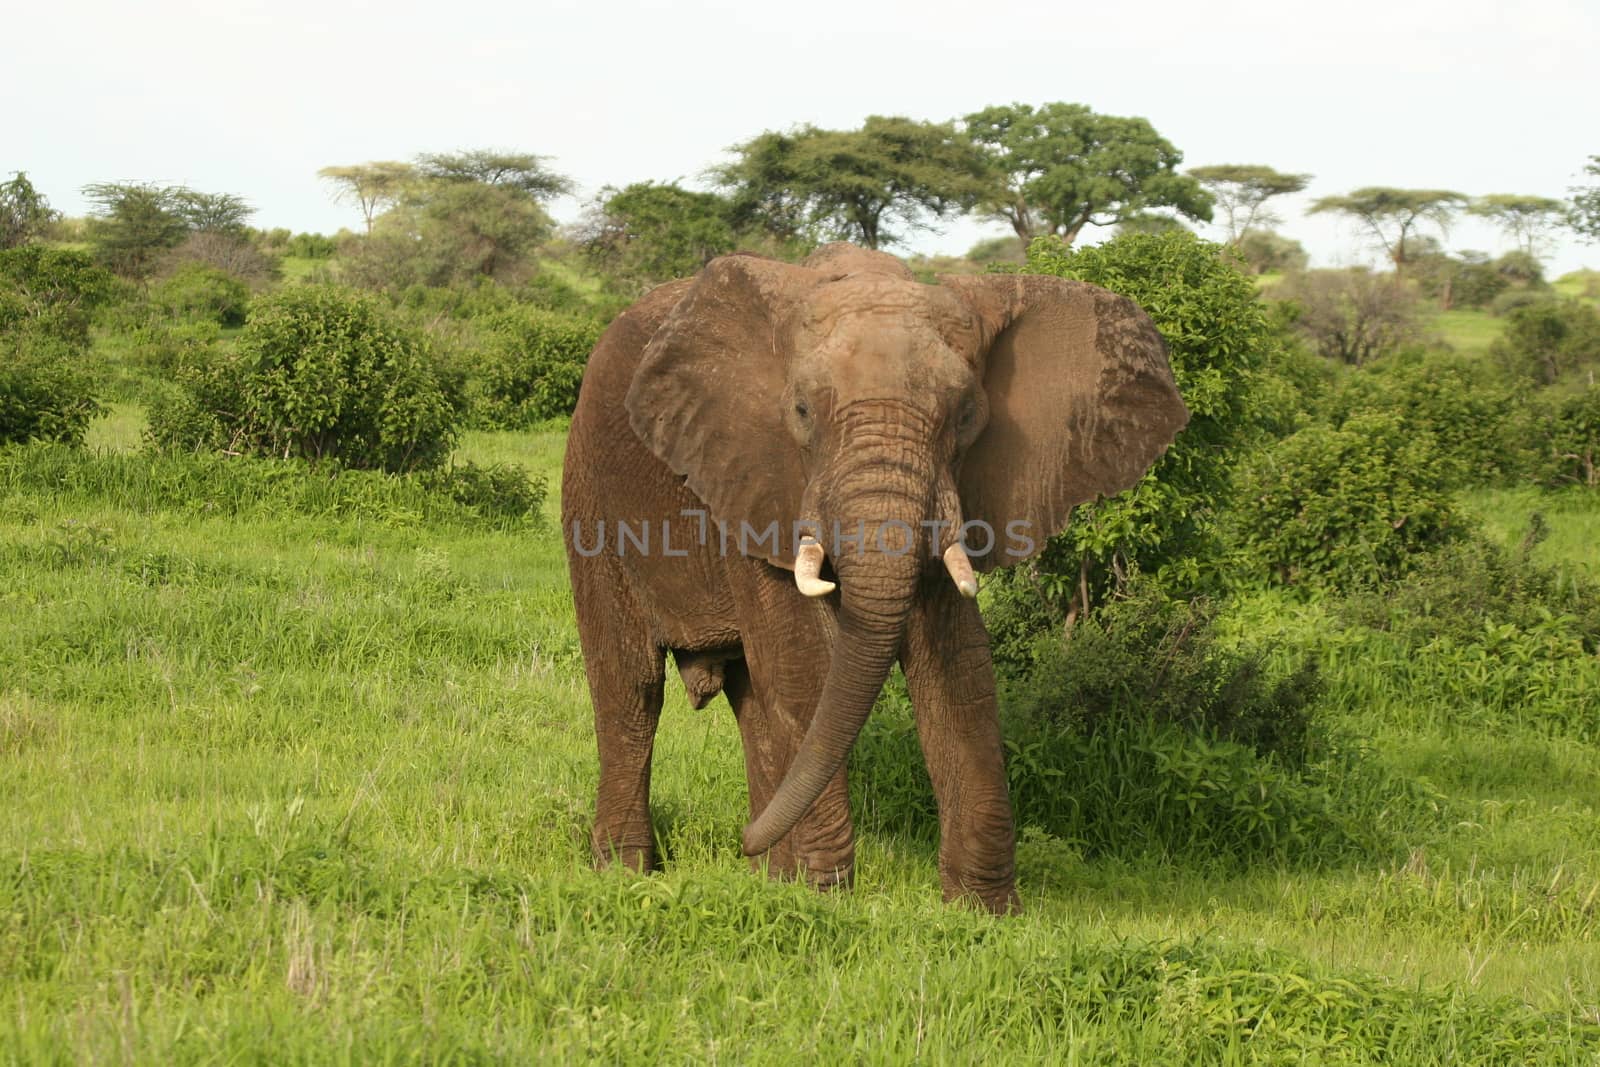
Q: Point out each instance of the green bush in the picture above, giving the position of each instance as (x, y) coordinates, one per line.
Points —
(1549, 342)
(1346, 507)
(205, 405)
(46, 394)
(531, 366)
(1484, 428)
(1575, 440)
(1454, 593)
(1512, 299)
(322, 373)
(310, 246)
(1147, 656)
(51, 292)
(197, 292)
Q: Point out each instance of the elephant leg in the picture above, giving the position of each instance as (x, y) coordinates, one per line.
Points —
(950, 678)
(626, 669)
(774, 693)
(756, 730)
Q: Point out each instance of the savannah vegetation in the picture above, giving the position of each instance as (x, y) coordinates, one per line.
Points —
(296, 762)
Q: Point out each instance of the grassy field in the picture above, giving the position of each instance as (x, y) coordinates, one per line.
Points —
(313, 786)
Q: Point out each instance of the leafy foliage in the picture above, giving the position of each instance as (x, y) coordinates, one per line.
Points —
(1060, 167)
(1483, 426)
(25, 214)
(867, 185)
(1242, 190)
(51, 291)
(1575, 440)
(448, 232)
(1263, 251)
(1392, 216)
(646, 233)
(1527, 220)
(198, 292)
(322, 373)
(531, 366)
(135, 223)
(1550, 341)
(1346, 508)
(521, 171)
(1145, 655)
(1353, 316)
(46, 392)
(1585, 213)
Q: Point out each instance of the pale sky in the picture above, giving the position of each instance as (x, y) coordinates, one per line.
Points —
(253, 97)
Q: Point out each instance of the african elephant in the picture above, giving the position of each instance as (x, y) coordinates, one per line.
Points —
(784, 475)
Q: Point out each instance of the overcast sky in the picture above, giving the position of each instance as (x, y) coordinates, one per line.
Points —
(253, 97)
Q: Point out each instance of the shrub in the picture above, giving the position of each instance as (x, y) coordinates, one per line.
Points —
(51, 291)
(205, 406)
(323, 373)
(1345, 507)
(1263, 251)
(1453, 593)
(232, 253)
(531, 366)
(198, 292)
(1550, 342)
(1512, 299)
(1483, 427)
(1148, 656)
(45, 392)
(311, 246)
(1575, 439)
(1353, 316)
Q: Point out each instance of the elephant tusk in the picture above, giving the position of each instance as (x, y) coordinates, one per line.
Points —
(807, 567)
(960, 568)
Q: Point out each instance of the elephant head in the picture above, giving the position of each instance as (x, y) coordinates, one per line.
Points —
(871, 418)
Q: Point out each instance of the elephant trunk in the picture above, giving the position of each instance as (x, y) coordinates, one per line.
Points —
(878, 580)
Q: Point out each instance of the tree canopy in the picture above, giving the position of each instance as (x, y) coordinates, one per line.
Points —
(1241, 190)
(522, 171)
(647, 233)
(1392, 216)
(1585, 216)
(1060, 167)
(1527, 220)
(24, 211)
(869, 185)
(372, 187)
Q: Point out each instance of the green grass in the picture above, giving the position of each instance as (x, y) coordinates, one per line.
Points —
(292, 784)
(1580, 284)
(1467, 331)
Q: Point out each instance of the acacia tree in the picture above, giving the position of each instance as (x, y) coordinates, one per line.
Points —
(1241, 190)
(1060, 167)
(1392, 216)
(647, 233)
(1585, 214)
(133, 223)
(522, 171)
(866, 185)
(1527, 220)
(24, 211)
(373, 187)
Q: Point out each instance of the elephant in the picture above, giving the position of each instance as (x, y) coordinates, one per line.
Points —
(783, 474)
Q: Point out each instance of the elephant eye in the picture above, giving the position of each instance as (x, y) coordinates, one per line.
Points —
(801, 409)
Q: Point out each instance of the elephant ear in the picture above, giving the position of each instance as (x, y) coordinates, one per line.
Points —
(1081, 403)
(708, 397)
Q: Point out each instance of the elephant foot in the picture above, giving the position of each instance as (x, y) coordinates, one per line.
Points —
(997, 899)
(614, 850)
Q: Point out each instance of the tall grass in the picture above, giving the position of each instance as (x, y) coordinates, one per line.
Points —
(289, 777)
